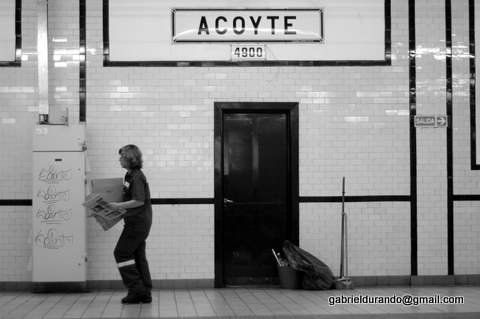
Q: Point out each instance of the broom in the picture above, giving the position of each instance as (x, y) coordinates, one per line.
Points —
(343, 282)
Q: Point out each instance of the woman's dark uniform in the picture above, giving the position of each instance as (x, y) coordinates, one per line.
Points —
(130, 250)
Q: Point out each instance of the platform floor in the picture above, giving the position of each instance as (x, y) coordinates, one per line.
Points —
(239, 303)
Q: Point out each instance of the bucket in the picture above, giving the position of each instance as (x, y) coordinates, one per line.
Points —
(289, 277)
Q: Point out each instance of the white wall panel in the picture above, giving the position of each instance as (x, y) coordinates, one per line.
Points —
(7, 30)
(142, 31)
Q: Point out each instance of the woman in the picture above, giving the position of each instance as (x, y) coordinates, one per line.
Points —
(130, 250)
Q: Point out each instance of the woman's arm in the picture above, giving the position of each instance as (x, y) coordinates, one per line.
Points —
(128, 204)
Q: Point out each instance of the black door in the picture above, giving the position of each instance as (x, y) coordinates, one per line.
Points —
(256, 191)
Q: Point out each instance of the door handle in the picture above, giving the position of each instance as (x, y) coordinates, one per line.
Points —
(227, 201)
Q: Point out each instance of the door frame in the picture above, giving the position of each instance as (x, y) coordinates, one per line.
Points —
(221, 108)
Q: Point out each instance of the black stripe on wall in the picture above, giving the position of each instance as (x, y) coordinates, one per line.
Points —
(473, 124)
(18, 38)
(107, 63)
(106, 33)
(466, 197)
(354, 199)
(18, 32)
(155, 201)
(413, 138)
(182, 201)
(210, 201)
(388, 32)
(82, 90)
(449, 89)
(15, 202)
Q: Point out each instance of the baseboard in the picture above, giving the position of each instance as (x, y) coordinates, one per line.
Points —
(15, 286)
(372, 281)
(456, 280)
(157, 284)
(358, 281)
(437, 280)
(90, 285)
(65, 287)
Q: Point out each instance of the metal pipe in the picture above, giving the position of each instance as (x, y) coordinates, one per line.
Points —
(42, 60)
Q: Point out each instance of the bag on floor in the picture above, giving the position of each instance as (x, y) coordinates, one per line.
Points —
(316, 274)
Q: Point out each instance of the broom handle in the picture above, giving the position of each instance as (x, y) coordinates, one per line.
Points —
(342, 245)
(346, 246)
(275, 255)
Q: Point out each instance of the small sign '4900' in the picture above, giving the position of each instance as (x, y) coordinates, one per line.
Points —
(248, 52)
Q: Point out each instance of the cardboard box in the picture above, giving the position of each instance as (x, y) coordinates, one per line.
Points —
(110, 189)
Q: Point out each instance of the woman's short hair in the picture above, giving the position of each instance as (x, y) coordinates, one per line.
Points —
(132, 154)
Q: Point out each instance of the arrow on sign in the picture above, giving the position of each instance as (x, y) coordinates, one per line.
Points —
(441, 120)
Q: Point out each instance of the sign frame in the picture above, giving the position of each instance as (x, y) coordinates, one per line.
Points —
(319, 10)
(384, 60)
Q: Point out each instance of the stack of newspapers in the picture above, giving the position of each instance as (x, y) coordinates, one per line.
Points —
(104, 214)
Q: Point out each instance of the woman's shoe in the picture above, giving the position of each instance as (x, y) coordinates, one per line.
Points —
(137, 298)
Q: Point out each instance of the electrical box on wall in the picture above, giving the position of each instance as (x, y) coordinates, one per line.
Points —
(59, 219)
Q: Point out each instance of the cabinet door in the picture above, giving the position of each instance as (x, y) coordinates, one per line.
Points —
(59, 219)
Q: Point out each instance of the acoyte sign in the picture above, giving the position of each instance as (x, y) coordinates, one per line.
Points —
(247, 25)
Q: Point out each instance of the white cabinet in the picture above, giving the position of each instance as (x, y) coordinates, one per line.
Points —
(59, 219)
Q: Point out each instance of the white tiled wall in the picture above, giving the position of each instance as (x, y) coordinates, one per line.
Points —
(466, 181)
(63, 22)
(15, 243)
(467, 233)
(18, 94)
(180, 245)
(353, 122)
(431, 143)
(18, 103)
(378, 241)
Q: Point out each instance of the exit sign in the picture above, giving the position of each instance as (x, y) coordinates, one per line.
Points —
(431, 120)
